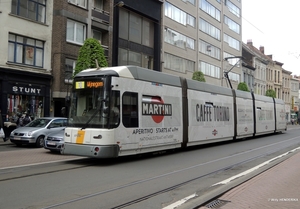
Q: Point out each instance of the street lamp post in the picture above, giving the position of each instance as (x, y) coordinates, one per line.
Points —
(227, 72)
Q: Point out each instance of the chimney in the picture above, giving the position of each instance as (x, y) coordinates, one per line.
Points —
(270, 55)
(262, 49)
(249, 42)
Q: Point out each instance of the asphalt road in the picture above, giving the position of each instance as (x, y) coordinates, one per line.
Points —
(130, 182)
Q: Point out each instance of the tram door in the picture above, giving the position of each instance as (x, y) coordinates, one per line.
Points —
(130, 110)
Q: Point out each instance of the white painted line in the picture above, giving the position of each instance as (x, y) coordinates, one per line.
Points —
(254, 168)
(180, 202)
(42, 163)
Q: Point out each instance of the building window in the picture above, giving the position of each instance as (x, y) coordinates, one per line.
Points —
(31, 9)
(76, 32)
(210, 70)
(18, 105)
(190, 1)
(232, 61)
(191, 20)
(232, 25)
(178, 64)
(178, 15)
(139, 32)
(207, 48)
(209, 29)
(24, 50)
(232, 42)
(178, 39)
(97, 35)
(210, 9)
(81, 3)
(127, 57)
(136, 28)
(70, 65)
(148, 30)
(233, 8)
(234, 76)
(98, 5)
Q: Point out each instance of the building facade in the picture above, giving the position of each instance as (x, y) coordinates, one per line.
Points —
(42, 42)
(294, 88)
(129, 31)
(259, 62)
(25, 63)
(199, 35)
(248, 69)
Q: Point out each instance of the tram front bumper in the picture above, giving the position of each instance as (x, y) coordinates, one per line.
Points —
(94, 151)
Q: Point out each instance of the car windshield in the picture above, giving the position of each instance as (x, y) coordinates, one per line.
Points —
(38, 123)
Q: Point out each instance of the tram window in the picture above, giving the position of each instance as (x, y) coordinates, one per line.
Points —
(115, 109)
(130, 109)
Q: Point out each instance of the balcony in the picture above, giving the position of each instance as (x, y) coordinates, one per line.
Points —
(100, 16)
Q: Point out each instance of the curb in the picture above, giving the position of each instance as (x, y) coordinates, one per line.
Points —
(3, 143)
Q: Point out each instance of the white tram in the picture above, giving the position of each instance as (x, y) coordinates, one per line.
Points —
(128, 110)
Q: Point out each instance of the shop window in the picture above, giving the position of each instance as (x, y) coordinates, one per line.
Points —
(130, 109)
(18, 105)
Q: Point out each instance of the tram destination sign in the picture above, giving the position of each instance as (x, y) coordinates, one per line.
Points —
(88, 84)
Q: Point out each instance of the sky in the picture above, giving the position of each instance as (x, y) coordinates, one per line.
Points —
(274, 25)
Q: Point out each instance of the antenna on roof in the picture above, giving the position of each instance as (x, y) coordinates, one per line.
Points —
(97, 65)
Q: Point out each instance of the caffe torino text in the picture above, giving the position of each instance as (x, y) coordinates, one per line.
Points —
(211, 113)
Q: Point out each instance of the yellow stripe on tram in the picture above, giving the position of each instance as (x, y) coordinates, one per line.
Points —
(80, 136)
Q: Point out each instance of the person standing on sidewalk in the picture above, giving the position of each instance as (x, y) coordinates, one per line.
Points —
(2, 126)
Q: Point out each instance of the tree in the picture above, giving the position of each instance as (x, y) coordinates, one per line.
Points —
(243, 87)
(271, 93)
(88, 54)
(198, 76)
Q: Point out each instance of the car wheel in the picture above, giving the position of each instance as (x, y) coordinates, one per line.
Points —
(40, 141)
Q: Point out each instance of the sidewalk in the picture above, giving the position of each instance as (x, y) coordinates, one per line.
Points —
(5, 143)
(276, 188)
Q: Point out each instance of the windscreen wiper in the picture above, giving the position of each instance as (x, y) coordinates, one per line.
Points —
(94, 114)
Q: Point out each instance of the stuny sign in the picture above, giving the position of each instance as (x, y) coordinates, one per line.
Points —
(157, 109)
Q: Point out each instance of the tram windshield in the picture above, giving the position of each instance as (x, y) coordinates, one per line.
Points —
(93, 104)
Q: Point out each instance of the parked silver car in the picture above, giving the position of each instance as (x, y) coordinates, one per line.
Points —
(35, 131)
(54, 141)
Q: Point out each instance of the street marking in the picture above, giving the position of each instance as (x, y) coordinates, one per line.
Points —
(180, 202)
(254, 168)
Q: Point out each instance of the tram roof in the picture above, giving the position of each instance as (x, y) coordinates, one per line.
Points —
(209, 88)
(134, 72)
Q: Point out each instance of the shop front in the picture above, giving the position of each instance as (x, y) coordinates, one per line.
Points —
(22, 93)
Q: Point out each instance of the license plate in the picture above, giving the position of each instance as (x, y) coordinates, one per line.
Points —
(51, 143)
(17, 138)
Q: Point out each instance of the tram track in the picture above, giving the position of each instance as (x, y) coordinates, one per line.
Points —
(181, 184)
